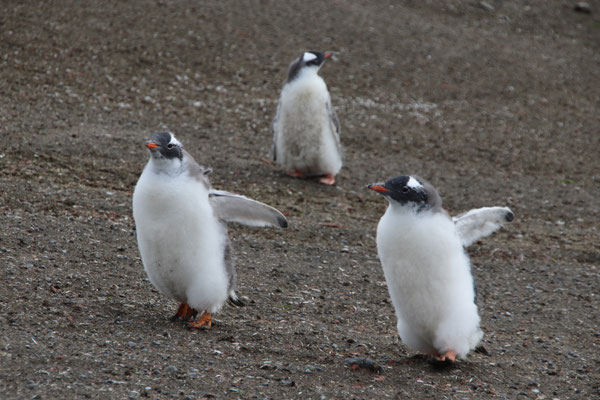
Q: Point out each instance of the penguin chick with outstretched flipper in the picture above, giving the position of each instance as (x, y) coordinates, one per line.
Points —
(478, 223)
(427, 271)
(181, 231)
(306, 130)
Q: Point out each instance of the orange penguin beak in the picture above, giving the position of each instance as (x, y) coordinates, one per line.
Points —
(151, 145)
(378, 188)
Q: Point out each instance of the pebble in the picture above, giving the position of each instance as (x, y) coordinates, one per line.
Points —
(583, 7)
(486, 5)
(363, 362)
(171, 368)
(193, 373)
(288, 382)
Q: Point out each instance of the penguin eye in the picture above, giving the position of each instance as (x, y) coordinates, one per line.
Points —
(170, 146)
(404, 189)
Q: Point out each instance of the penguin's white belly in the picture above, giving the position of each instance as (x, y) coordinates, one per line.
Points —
(180, 240)
(306, 140)
(430, 283)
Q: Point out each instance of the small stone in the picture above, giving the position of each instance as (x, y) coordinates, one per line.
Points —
(583, 7)
(268, 365)
(288, 382)
(133, 345)
(363, 362)
(171, 368)
(193, 373)
(486, 5)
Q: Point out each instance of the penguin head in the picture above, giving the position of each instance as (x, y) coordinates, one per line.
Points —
(308, 61)
(314, 58)
(164, 145)
(409, 191)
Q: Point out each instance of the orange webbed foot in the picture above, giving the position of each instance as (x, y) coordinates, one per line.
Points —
(448, 356)
(328, 179)
(296, 174)
(185, 312)
(205, 321)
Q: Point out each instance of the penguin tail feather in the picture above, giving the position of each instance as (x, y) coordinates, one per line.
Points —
(234, 300)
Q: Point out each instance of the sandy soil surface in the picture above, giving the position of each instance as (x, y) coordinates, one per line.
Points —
(495, 103)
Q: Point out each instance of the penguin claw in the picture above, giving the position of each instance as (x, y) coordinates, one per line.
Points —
(328, 179)
(296, 173)
(448, 356)
(205, 321)
(184, 312)
(267, 161)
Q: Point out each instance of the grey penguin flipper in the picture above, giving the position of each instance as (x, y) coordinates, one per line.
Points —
(481, 222)
(232, 298)
(335, 122)
(230, 207)
(274, 148)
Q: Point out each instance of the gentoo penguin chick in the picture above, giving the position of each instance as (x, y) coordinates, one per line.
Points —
(306, 130)
(427, 271)
(181, 232)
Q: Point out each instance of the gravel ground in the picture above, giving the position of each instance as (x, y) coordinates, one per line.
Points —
(495, 103)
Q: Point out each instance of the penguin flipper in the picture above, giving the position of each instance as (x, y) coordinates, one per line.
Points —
(481, 222)
(235, 301)
(273, 128)
(335, 122)
(231, 207)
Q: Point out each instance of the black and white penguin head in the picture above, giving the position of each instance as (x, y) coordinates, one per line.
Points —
(409, 191)
(310, 61)
(164, 145)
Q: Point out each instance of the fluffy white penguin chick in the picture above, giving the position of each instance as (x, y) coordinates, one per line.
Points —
(181, 232)
(427, 271)
(306, 130)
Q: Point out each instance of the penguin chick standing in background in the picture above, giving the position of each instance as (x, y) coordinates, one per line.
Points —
(427, 271)
(181, 232)
(306, 130)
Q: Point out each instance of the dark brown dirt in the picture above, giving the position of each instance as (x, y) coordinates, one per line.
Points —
(494, 107)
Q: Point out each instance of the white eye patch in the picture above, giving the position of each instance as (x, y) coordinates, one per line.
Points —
(413, 183)
(308, 57)
(175, 141)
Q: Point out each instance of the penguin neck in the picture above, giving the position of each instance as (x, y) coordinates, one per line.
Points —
(171, 167)
(409, 209)
(306, 74)
(308, 83)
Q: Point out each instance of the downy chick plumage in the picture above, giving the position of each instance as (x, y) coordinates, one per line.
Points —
(427, 271)
(306, 130)
(181, 232)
